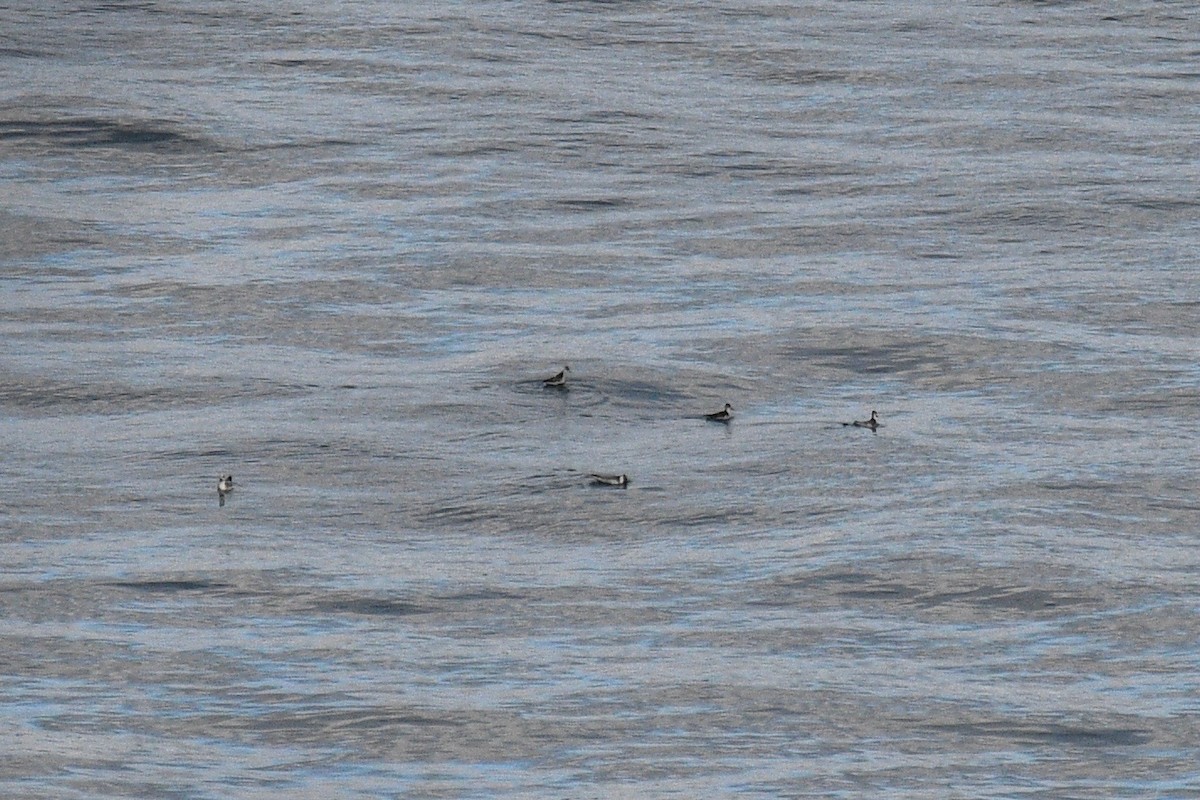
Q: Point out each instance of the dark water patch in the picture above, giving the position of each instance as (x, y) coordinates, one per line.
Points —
(18, 52)
(812, 76)
(756, 468)
(53, 401)
(47, 251)
(369, 606)
(1160, 205)
(939, 256)
(657, 398)
(171, 586)
(1077, 486)
(337, 726)
(319, 145)
(1006, 598)
(462, 514)
(600, 117)
(341, 68)
(881, 591)
(220, 452)
(819, 581)
(1000, 598)
(61, 398)
(748, 163)
(871, 588)
(1045, 217)
(1174, 505)
(122, 6)
(600, 204)
(821, 512)
(482, 595)
(467, 151)
(99, 132)
(645, 393)
(703, 519)
(1171, 403)
(963, 360)
(1053, 734)
(884, 359)
(847, 578)
(27, 394)
(416, 735)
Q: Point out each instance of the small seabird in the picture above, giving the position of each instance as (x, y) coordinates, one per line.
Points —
(871, 423)
(724, 415)
(611, 480)
(224, 487)
(559, 381)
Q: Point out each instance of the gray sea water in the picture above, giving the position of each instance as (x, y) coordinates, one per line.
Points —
(333, 249)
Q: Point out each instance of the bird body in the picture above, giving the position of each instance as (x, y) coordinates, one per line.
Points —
(871, 423)
(558, 381)
(224, 487)
(724, 415)
(611, 480)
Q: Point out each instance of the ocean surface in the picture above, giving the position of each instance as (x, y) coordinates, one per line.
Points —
(333, 249)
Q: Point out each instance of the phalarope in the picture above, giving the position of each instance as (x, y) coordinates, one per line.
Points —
(611, 480)
(724, 415)
(871, 423)
(224, 487)
(559, 381)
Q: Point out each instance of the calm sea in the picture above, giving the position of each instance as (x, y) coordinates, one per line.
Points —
(333, 249)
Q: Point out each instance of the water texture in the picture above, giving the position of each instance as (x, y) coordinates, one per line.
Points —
(333, 250)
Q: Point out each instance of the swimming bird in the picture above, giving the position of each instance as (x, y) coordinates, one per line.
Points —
(559, 381)
(224, 487)
(871, 423)
(611, 480)
(724, 415)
